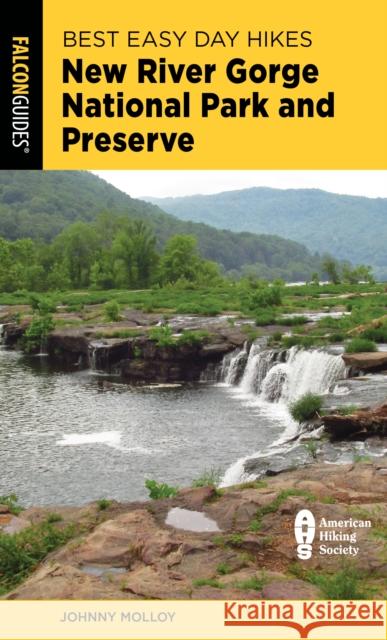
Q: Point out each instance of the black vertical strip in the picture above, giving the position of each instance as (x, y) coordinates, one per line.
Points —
(21, 85)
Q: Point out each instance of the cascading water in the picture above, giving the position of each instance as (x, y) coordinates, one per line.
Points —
(273, 379)
(233, 366)
(276, 376)
(1, 333)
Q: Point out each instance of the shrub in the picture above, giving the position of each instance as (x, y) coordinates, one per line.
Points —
(162, 336)
(103, 504)
(37, 332)
(306, 407)
(160, 490)
(43, 305)
(360, 345)
(112, 310)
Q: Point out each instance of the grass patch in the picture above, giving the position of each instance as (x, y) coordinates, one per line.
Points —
(223, 569)
(347, 584)
(209, 478)
(273, 506)
(361, 458)
(294, 321)
(254, 583)
(306, 407)
(192, 338)
(302, 341)
(21, 552)
(265, 318)
(347, 410)
(11, 501)
(207, 582)
(53, 517)
(376, 334)
(103, 504)
(235, 539)
(360, 345)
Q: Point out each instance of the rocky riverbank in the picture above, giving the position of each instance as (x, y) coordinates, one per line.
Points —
(130, 350)
(210, 543)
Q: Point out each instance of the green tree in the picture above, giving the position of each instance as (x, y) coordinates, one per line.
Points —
(180, 259)
(77, 246)
(331, 268)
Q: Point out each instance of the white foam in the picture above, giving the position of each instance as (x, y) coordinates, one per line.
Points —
(111, 438)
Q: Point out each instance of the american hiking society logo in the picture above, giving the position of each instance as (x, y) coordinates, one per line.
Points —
(333, 537)
(304, 531)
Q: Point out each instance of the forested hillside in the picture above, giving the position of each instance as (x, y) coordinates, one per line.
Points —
(40, 205)
(349, 227)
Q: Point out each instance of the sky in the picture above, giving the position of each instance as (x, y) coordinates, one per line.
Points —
(180, 183)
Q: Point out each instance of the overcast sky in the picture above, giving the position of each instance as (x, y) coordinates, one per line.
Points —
(181, 183)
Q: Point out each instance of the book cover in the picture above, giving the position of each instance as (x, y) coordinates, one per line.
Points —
(193, 320)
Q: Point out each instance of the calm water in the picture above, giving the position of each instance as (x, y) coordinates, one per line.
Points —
(68, 438)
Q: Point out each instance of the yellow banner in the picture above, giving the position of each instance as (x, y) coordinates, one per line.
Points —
(215, 85)
(151, 620)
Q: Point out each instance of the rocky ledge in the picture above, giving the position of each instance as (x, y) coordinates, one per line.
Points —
(360, 424)
(362, 362)
(133, 354)
(244, 547)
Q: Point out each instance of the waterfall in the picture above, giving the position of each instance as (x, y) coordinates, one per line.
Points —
(1, 333)
(275, 379)
(232, 366)
(92, 353)
(281, 376)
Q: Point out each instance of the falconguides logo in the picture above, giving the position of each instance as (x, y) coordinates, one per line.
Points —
(20, 93)
(304, 531)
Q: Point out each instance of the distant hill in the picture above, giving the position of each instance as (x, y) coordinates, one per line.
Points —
(349, 227)
(39, 204)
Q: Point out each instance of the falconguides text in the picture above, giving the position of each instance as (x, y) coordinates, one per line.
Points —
(20, 93)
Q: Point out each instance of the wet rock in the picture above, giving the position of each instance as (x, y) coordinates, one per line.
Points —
(4, 508)
(13, 332)
(276, 464)
(358, 362)
(362, 423)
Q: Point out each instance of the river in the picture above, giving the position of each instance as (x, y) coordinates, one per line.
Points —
(72, 437)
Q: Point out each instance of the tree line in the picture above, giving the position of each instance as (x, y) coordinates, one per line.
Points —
(112, 253)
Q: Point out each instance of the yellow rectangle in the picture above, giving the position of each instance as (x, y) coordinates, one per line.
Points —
(348, 47)
(153, 620)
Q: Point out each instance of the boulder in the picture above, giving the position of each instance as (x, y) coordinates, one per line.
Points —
(362, 423)
(373, 361)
